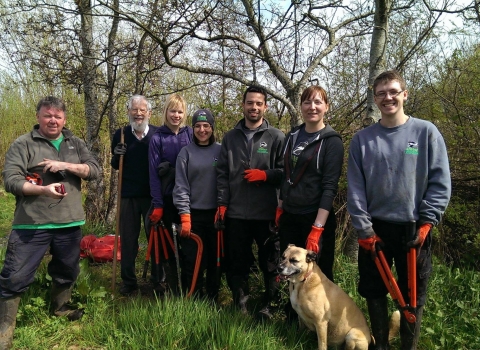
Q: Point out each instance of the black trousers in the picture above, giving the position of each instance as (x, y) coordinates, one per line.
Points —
(294, 229)
(25, 251)
(394, 238)
(202, 226)
(239, 238)
(132, 211)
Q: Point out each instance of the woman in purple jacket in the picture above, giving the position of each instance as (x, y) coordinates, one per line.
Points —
(165, 145)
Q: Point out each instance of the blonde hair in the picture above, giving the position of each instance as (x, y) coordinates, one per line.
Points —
(175, 101)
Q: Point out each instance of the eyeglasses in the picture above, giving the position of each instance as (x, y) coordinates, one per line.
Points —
(392, 93)
(136, 110)
(204, 126)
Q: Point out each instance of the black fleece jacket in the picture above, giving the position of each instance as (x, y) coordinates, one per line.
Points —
(317, 186)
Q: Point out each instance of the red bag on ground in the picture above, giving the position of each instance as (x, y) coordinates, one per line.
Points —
(99, 249)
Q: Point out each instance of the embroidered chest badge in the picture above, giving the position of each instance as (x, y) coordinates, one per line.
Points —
(263, 148)
(412, 148)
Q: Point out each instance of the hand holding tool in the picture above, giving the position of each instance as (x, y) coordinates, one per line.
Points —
(313, 239)
(186, 225)
(156, 215)
(120, 149)
(421, 234)
(220, 217)
(255, 175)
(369, 244)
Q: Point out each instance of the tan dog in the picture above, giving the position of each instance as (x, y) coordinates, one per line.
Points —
(321, 305)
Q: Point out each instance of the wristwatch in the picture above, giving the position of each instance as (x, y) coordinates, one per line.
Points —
(317, 225)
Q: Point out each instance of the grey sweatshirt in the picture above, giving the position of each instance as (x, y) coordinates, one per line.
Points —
(196, 178)
(397, 175)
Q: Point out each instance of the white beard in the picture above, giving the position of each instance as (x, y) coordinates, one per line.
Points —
(139, 127)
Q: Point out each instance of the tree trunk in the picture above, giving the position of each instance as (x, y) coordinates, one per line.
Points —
(112, 65)
(94, 203)
(377, 56)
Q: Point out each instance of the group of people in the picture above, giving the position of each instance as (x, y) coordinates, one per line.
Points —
(258, 186)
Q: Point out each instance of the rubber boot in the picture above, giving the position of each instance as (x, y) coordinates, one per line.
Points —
(410, 332)
(60, 296)
(270, 298)
(378, 311)
(8, 319)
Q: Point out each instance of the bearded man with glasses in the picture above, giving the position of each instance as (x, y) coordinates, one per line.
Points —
(136, 198)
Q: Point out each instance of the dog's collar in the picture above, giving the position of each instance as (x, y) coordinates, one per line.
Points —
(307, 275)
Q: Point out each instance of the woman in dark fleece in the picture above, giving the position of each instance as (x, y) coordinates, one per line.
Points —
(313, 158)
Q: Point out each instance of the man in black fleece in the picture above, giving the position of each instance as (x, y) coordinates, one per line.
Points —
(249, 171)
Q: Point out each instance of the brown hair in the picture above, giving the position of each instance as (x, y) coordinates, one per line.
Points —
(51, 101)
(387, 76)
(312, 91)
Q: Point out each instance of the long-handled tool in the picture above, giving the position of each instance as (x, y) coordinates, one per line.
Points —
(391, 283)
(157, 233)
(117, 216)
(177, 257)
(198, 262)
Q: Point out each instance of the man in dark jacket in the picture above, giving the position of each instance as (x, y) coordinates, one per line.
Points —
(249, 172)
(44, 169)
(136, 198)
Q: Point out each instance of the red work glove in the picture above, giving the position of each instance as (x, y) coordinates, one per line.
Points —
(278, 213)
(422, 233)
(313, 239)
(156, 215)
(369, 244)
(186, 225)
(255, 175)
(34, 178)
(220, 217)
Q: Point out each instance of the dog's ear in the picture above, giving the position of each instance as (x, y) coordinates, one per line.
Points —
(311, 256)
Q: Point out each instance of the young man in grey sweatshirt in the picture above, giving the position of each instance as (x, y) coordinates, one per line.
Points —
(398, 172)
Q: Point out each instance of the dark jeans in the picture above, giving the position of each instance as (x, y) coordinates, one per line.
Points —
(371, 285)
(294, 229)
(25, 251)
(132, 210)
(203, 226)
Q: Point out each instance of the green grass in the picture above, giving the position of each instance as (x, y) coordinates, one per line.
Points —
(451, 318)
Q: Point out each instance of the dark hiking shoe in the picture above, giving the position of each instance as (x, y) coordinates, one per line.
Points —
(265, 313)
(128, 289)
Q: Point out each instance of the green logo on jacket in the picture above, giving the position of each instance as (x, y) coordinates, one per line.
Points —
(263, 148)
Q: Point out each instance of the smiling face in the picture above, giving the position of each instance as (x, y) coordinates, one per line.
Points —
(203, 131)
(139, 114)
(313, 110)
(174, 117)
(51, 121)
(389, 98)
(254, 108)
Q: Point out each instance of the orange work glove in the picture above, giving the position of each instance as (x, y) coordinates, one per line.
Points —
(186, 225)
(369, 244)
(156, 215)
(255, 175)
(220, 217)
(422, 233)
(278, 213)
(313, 239)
